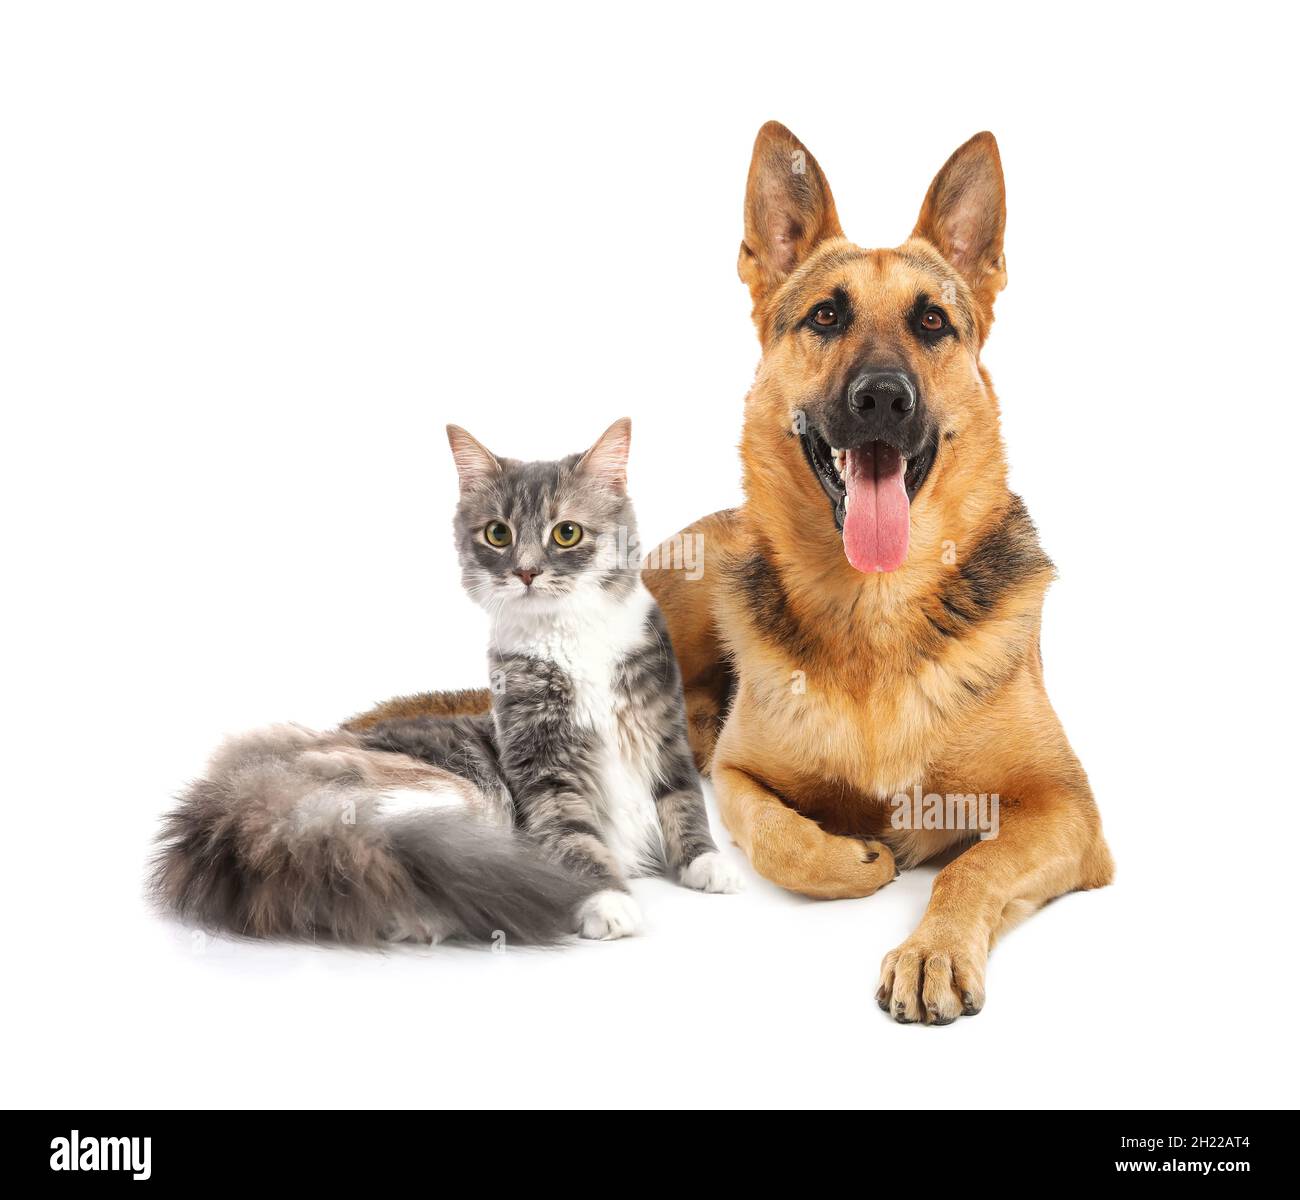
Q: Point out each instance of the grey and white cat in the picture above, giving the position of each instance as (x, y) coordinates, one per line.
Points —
(525, 820)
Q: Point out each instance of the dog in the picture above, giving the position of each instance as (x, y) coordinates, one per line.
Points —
(865, 630)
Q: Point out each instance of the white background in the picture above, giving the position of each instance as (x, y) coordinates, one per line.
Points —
(255, 256)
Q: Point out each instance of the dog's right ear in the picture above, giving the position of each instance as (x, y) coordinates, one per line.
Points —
(789, 209)
(474, 461)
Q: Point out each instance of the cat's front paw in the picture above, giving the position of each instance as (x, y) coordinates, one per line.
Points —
(608, 915)
(711, 873)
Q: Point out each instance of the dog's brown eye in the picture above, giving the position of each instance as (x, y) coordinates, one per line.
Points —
(932, 319)
(826, 316)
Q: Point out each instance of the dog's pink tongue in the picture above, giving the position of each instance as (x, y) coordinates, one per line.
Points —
(876, 514)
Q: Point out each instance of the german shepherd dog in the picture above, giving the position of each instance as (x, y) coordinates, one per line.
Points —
(866, 626)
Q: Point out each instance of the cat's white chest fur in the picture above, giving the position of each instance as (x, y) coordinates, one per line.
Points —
(588, 638)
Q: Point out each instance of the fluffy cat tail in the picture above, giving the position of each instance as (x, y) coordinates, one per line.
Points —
(296, 834)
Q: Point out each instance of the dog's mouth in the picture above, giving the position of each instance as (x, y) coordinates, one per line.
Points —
(871, 488)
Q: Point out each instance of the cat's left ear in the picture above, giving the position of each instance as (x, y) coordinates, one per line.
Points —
(606, 461)
(474, 461)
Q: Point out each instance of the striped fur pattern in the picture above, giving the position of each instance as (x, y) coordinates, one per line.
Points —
(296, 834)
(586, 693)
(520, 811)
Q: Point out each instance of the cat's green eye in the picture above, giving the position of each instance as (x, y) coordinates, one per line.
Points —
(497, 533)
(567, 534)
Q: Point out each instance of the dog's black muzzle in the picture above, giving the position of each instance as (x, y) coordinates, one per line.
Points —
(879, 405)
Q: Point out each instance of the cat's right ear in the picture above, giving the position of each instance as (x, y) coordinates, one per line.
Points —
(474, 461)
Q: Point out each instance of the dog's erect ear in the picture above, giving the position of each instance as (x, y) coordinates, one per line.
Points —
(789, 209)
(474, 461)
(965, 214)
(606, 461)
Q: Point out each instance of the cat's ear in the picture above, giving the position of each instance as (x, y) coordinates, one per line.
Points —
(474, 461)
(606, 461)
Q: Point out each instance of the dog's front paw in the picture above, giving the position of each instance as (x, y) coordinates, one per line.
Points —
(710, 872)
(799, 855)
(607, 915)
(933, 979)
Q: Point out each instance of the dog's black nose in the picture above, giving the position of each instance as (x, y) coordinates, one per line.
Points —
(889, 395)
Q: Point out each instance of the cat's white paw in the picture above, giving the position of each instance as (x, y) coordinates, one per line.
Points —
(608, 915)
(711, 873)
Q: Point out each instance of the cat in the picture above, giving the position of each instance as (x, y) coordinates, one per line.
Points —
(521, 822)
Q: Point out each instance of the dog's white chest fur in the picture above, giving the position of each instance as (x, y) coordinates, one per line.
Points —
(588, 639)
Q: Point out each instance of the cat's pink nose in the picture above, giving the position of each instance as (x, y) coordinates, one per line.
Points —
(527, 576)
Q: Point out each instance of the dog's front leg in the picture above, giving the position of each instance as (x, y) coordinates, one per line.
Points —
(793, 851)
(1046, 846)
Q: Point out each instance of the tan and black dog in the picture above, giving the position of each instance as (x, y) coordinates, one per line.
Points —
(867, 623)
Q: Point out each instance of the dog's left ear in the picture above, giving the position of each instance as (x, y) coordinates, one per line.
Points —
(606, 461)
(965, 214)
